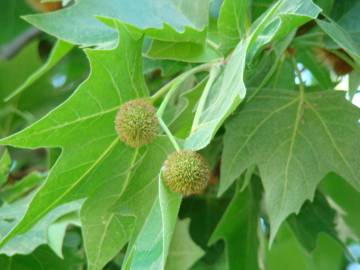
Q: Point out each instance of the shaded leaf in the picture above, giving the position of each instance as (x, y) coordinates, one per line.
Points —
(28, 183)
(346, 15)
(10, 13)
(42, 258)
(182, 124)
(61, 48)
(287, 253)
(315, 218)
(57, 231)
(38, 235)
(341, 37)
(295, 141)
(183, 252)
(5, 162)
(346, 197)
(239, 228)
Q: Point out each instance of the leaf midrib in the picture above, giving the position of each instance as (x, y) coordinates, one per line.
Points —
(299, 113)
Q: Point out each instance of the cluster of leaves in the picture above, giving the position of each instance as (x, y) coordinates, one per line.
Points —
(248, 83)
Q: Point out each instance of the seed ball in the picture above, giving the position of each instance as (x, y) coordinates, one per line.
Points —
(186, 172)
(136, 123)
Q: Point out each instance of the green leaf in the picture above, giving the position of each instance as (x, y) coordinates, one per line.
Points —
(44, 94)
(151, 247)
(218, 101)
(279, 20)
(13, 26)
(40, 233)
(109, 224)
(354, 83)
(295, 141)
(12, 192)
(183, 51)
(341, 37)
(182, 124)
(5, 162)
(205, 212)
(315, 218)
(57, 231)
(233, 22)
(183, 252)
(61, 49)
(287, 253)
(239, 228)
(346, 15)
(319, 71)
(225, 90)
(42, 258)
(182, 21)
(346, 197)
(83, 127)
(326, 5)
(10, 77)
(220, 264)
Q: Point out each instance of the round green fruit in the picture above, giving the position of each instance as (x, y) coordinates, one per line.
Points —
(186, 172)
(136, 123)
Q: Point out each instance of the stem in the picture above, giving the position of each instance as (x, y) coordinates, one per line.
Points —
(166, 100)
(11, 49)
(212, 44)
(169, 89)
(298, 74)
(169, 134)
(163, 90)
(213, 75)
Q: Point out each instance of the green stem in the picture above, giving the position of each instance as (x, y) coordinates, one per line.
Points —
(163, 90)
(169, 89)
(212, 77)
(298, 74)
(166, 100)
(169, 134)
(212, 44)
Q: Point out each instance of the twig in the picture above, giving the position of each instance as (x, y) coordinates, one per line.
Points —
(12, 48)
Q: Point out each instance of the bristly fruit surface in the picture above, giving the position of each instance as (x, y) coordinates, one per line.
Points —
(136, 123)
(186, 172)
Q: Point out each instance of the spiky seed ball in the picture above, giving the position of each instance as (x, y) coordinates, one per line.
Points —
(186, 172)
(136, 123)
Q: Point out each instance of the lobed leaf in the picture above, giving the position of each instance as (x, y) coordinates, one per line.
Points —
(227, 89)
(239, 229)
(183, 252)
(184, 20)
(83, 127)
(295, 141)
